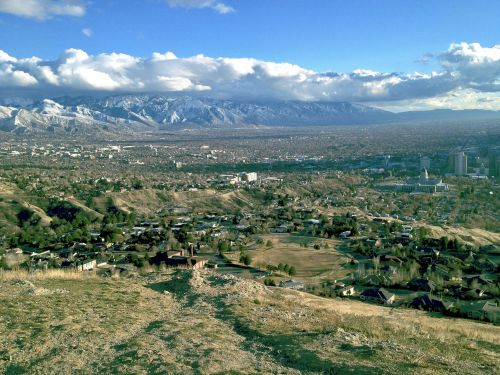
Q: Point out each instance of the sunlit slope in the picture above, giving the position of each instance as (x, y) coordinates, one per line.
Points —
(204, 322)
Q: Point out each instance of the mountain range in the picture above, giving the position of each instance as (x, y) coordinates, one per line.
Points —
(140, 113)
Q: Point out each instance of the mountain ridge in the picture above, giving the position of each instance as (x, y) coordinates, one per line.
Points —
(141, 113)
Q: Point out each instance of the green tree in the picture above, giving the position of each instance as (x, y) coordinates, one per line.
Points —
(444, 242)
(269, 282)
(246, 259)
(223, 247)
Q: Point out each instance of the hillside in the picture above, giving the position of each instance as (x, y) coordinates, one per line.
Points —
(206, 322)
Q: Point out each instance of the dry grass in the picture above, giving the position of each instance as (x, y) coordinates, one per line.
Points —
(402, 320)
(147, 201)
(311, 264)
(178, 322)
(475, 236)
(50, 274)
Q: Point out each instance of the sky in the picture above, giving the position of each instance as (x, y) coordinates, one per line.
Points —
(394, 54)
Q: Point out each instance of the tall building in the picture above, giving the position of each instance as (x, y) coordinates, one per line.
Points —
(460, 163)
(425, 163)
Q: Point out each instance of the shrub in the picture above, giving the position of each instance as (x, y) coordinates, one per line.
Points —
(135, 260)
(246, 259)
(3, 263)
(269, 282)
(27, 217)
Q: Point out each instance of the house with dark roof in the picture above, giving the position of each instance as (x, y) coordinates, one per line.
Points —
(479, 279)
(173, 259)
(427, 251)
(379, 295)
(469, 293)
(391, 260)
(422, 284)
(488, 311)
(185, 262)
(429, 303)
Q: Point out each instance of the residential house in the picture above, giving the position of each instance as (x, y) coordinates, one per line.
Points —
(376, 280)
(478, 279)
(175, 259)
(491, 312)
(469, 293)
(430, 303)
(425, 285)
(185, 262)
(427, 251)
(379, 295)
(280, 229)
(488, 311)
(87, 265)
(346, 291)
(391, 260)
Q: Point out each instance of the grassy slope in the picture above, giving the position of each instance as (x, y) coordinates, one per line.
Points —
(311, 264)
(210, 323)
(148, 201)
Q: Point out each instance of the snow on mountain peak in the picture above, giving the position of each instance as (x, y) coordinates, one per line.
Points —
(161, 111)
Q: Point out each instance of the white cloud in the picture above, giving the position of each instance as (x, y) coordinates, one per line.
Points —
(87, 32)
(163, 56)
(456, 99)
(179, 84)
(43, 9)
(223, 8)
(476, 66)
(10, 77)
(4, 56)
(217, 6)
(470, 78)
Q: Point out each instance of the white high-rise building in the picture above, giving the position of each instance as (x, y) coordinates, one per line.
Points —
(460, 164)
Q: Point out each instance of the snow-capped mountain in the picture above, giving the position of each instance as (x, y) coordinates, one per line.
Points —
(149, 112)
(50, 116)
(164, 110)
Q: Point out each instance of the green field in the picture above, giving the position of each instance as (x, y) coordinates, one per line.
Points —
(311, 264)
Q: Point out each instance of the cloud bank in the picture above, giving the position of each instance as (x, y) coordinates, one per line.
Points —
(470, 77)
(217, 6)
(43, 9)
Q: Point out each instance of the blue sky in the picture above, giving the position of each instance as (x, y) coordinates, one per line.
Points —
(387, 36)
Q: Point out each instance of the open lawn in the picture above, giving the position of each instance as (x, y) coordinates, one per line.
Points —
(311, 264)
